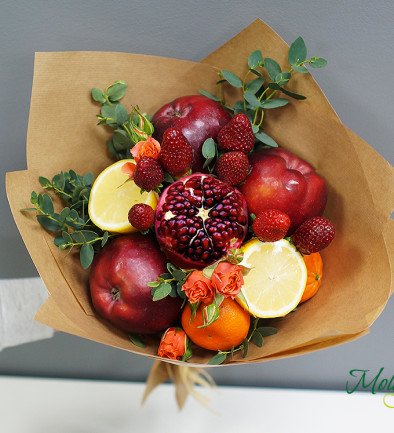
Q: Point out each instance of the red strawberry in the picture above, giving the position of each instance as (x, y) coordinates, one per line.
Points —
(237, 134)
(313, 235)
(176, 153)
(271, 225)
(232, 167)
(141, 216)
(148, 174)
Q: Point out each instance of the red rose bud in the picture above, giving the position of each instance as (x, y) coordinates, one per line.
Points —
(173, 344)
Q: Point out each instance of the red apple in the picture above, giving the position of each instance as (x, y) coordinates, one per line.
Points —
(197, 116)
(283, 181)
(118, 285)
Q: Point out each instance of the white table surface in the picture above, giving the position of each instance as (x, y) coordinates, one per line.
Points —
(71, 406)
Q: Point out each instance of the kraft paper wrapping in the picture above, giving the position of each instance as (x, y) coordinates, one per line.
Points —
(62, 134)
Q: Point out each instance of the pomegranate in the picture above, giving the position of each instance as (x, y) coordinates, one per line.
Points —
(198, 219)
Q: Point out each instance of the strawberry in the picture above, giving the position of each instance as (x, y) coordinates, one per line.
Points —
(176, 154)
(148, 174)
(271, 225)
(141, 216)
(232, 167)
(313, 235)
(237, 134)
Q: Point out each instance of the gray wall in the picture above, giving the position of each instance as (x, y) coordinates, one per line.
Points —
(356, 36)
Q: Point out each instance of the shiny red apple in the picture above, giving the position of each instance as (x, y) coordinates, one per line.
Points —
(197, 116)
(281, 180)
(118, 285)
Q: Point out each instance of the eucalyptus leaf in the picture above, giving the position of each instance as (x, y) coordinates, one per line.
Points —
(137, 340)
(86, 255)
(121, 140)
(255, 59)
(47, 204)
(254, 85)
(88, 178)
(238, 107)
(59, 241)
(257, 339)
(292, 94)
(48, 224)
(98, 95)
(218, 359)
(67, 237)
(255, 129)
(245, 348)
(209, 148)
(104, 240)
(209, 95)
(266, 331)
(116, 91)
(301, 69)
(283, 78)
(231, 78)
(318, 62)
(44, 182)
(266, 139)
(258, 73)
(272, 67)
(89, 235)
(252, 100)
(121, 114)
(274, 103)
(297, 52)
(33, 197)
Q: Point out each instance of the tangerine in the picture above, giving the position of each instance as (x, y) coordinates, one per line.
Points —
(228, 331)
(314, 267)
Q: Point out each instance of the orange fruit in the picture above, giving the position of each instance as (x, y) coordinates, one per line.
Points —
(314, 268)
(228, 331)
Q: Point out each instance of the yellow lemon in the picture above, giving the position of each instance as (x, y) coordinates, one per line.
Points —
(112, 197)
(276, 280)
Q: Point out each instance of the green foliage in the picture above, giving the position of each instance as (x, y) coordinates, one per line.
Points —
(71, 224)
(137, 340)
(169, 283)
(260, 94)
(129, 128)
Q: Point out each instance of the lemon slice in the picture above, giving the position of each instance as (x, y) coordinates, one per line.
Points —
(112, 197)
(276, 281)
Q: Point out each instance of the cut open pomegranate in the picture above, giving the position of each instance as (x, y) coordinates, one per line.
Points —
(199, 219)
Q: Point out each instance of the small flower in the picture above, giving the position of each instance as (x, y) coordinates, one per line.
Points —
(227, 279)
(198, 288)
(129, 169)
(147, 148)
(173, 344)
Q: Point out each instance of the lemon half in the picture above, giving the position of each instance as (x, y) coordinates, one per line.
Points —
(276, 281)
(112, 197)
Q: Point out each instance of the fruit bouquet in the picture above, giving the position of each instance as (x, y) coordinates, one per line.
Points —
(197, 234)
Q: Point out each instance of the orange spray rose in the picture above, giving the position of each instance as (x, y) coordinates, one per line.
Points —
(173, 344)
(148, 148)
(198, 288)
(227, 279)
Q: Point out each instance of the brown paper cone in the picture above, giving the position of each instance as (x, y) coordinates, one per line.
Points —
(62, 134)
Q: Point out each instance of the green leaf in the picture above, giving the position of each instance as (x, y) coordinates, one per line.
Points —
(318, 62)
(121, 114)
(292, 94)
(255, 85)
(137, 340)
(297, 52)
(208, 271)
(238, 107)
(161, 291)
(66, 236)
(266, 139)
(188, 352)
(209, 95)
(121, 140)
(193, 307)
(255, 59)
(283, 78)
(89, 235)
(47, 204)
(64, 213)
(177, 273)
(245, 348)
(88, 178)
(86, 255)
(255, 72)
(266, 331)
(274, 103)
(255, 129)
(272, 67)
(44, 182)
(218, 359)
(33, 198)
(231, 78)
(59, 241)
(210, 314)
(98, 95)
(48, 224)
(252, 100)
(153, 284)
(209, 148)
(104, 240)
(301, 69)
(257, 339)
(116, 91)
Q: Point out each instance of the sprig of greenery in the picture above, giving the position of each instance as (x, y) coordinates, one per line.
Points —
(256, 336)
(129, 128)
(260, 87)
(71, 224)
(169, 283)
